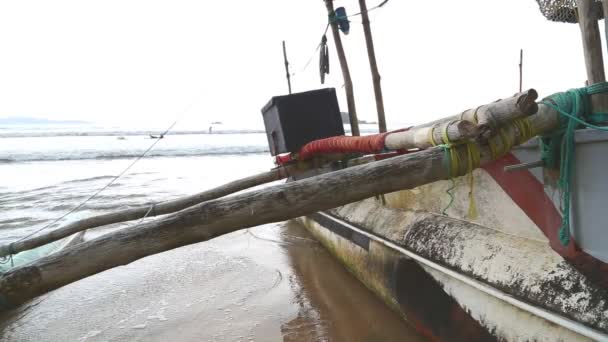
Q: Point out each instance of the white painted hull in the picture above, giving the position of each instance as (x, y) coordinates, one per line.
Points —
(492, 278)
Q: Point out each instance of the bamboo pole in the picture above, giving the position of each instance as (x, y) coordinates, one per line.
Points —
(139, 212)
(348, 84)
(469, 124)
(429, 136)
(371, 54)
(286, 68)
(592, 48)
(221, 216)
(493, 115)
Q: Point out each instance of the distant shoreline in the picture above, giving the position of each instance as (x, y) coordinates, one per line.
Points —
(24, 120)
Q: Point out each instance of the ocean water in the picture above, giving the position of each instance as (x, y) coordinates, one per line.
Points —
(272, 282)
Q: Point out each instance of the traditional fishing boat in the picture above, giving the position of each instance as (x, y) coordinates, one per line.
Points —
(511, 246)
(485, 225)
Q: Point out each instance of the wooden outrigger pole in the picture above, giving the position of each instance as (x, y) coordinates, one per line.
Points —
(466, 125)
(213, 218)
(136, 213)
(371, 54)
(348, 83)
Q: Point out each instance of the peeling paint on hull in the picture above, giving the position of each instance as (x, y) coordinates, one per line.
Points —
(444, 308)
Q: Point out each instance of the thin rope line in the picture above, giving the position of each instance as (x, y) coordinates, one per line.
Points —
(108, 184)
(147, 213)
(325, 32)
(314, 52)
(369, 9)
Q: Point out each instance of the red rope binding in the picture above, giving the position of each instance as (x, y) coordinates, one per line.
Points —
(369, 144)
(283, 159)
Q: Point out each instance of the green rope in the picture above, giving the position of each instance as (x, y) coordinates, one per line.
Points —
(558, 148)
(447, 162)
(453, 163)
(449, 191)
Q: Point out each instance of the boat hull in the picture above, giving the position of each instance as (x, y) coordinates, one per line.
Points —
(444, 302)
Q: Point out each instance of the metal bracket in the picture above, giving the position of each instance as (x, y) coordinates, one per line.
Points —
(524, 166)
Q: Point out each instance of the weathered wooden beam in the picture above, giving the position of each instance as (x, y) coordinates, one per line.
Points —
(429, 136)
(139, 212)
(371, 54)
(469, 124)
(348, 83)
(221, 216)
(493, 115)
(592, 44)
(592, 47)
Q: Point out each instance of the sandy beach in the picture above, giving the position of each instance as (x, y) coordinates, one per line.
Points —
(269, 283)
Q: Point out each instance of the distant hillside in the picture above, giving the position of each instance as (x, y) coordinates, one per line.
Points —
(24, 120)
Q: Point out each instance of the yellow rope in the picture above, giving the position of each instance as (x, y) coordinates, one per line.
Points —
(475, 120)
(473, 160)
(475, 115)
(526, 132)
(444, 134)
(499, 145)
(507, 141)
(504, 145)
(431, 137)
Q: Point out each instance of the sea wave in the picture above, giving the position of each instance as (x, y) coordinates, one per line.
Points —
(119, 133)
(110, 155)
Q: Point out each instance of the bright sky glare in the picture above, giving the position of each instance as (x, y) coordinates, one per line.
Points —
(132, 61)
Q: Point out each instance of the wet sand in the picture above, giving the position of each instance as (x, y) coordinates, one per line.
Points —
(269, 283)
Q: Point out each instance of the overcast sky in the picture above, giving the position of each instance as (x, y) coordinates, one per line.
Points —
(146, 61)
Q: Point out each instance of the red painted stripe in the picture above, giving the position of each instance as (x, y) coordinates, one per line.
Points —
(529, 194)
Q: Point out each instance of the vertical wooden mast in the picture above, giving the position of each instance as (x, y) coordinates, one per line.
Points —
(592, 46)
(371, 54)
(348, 84)
(286, 67)
(605, 10)
(521, 66)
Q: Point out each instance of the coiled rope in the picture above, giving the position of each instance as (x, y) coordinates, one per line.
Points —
(559, 147)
